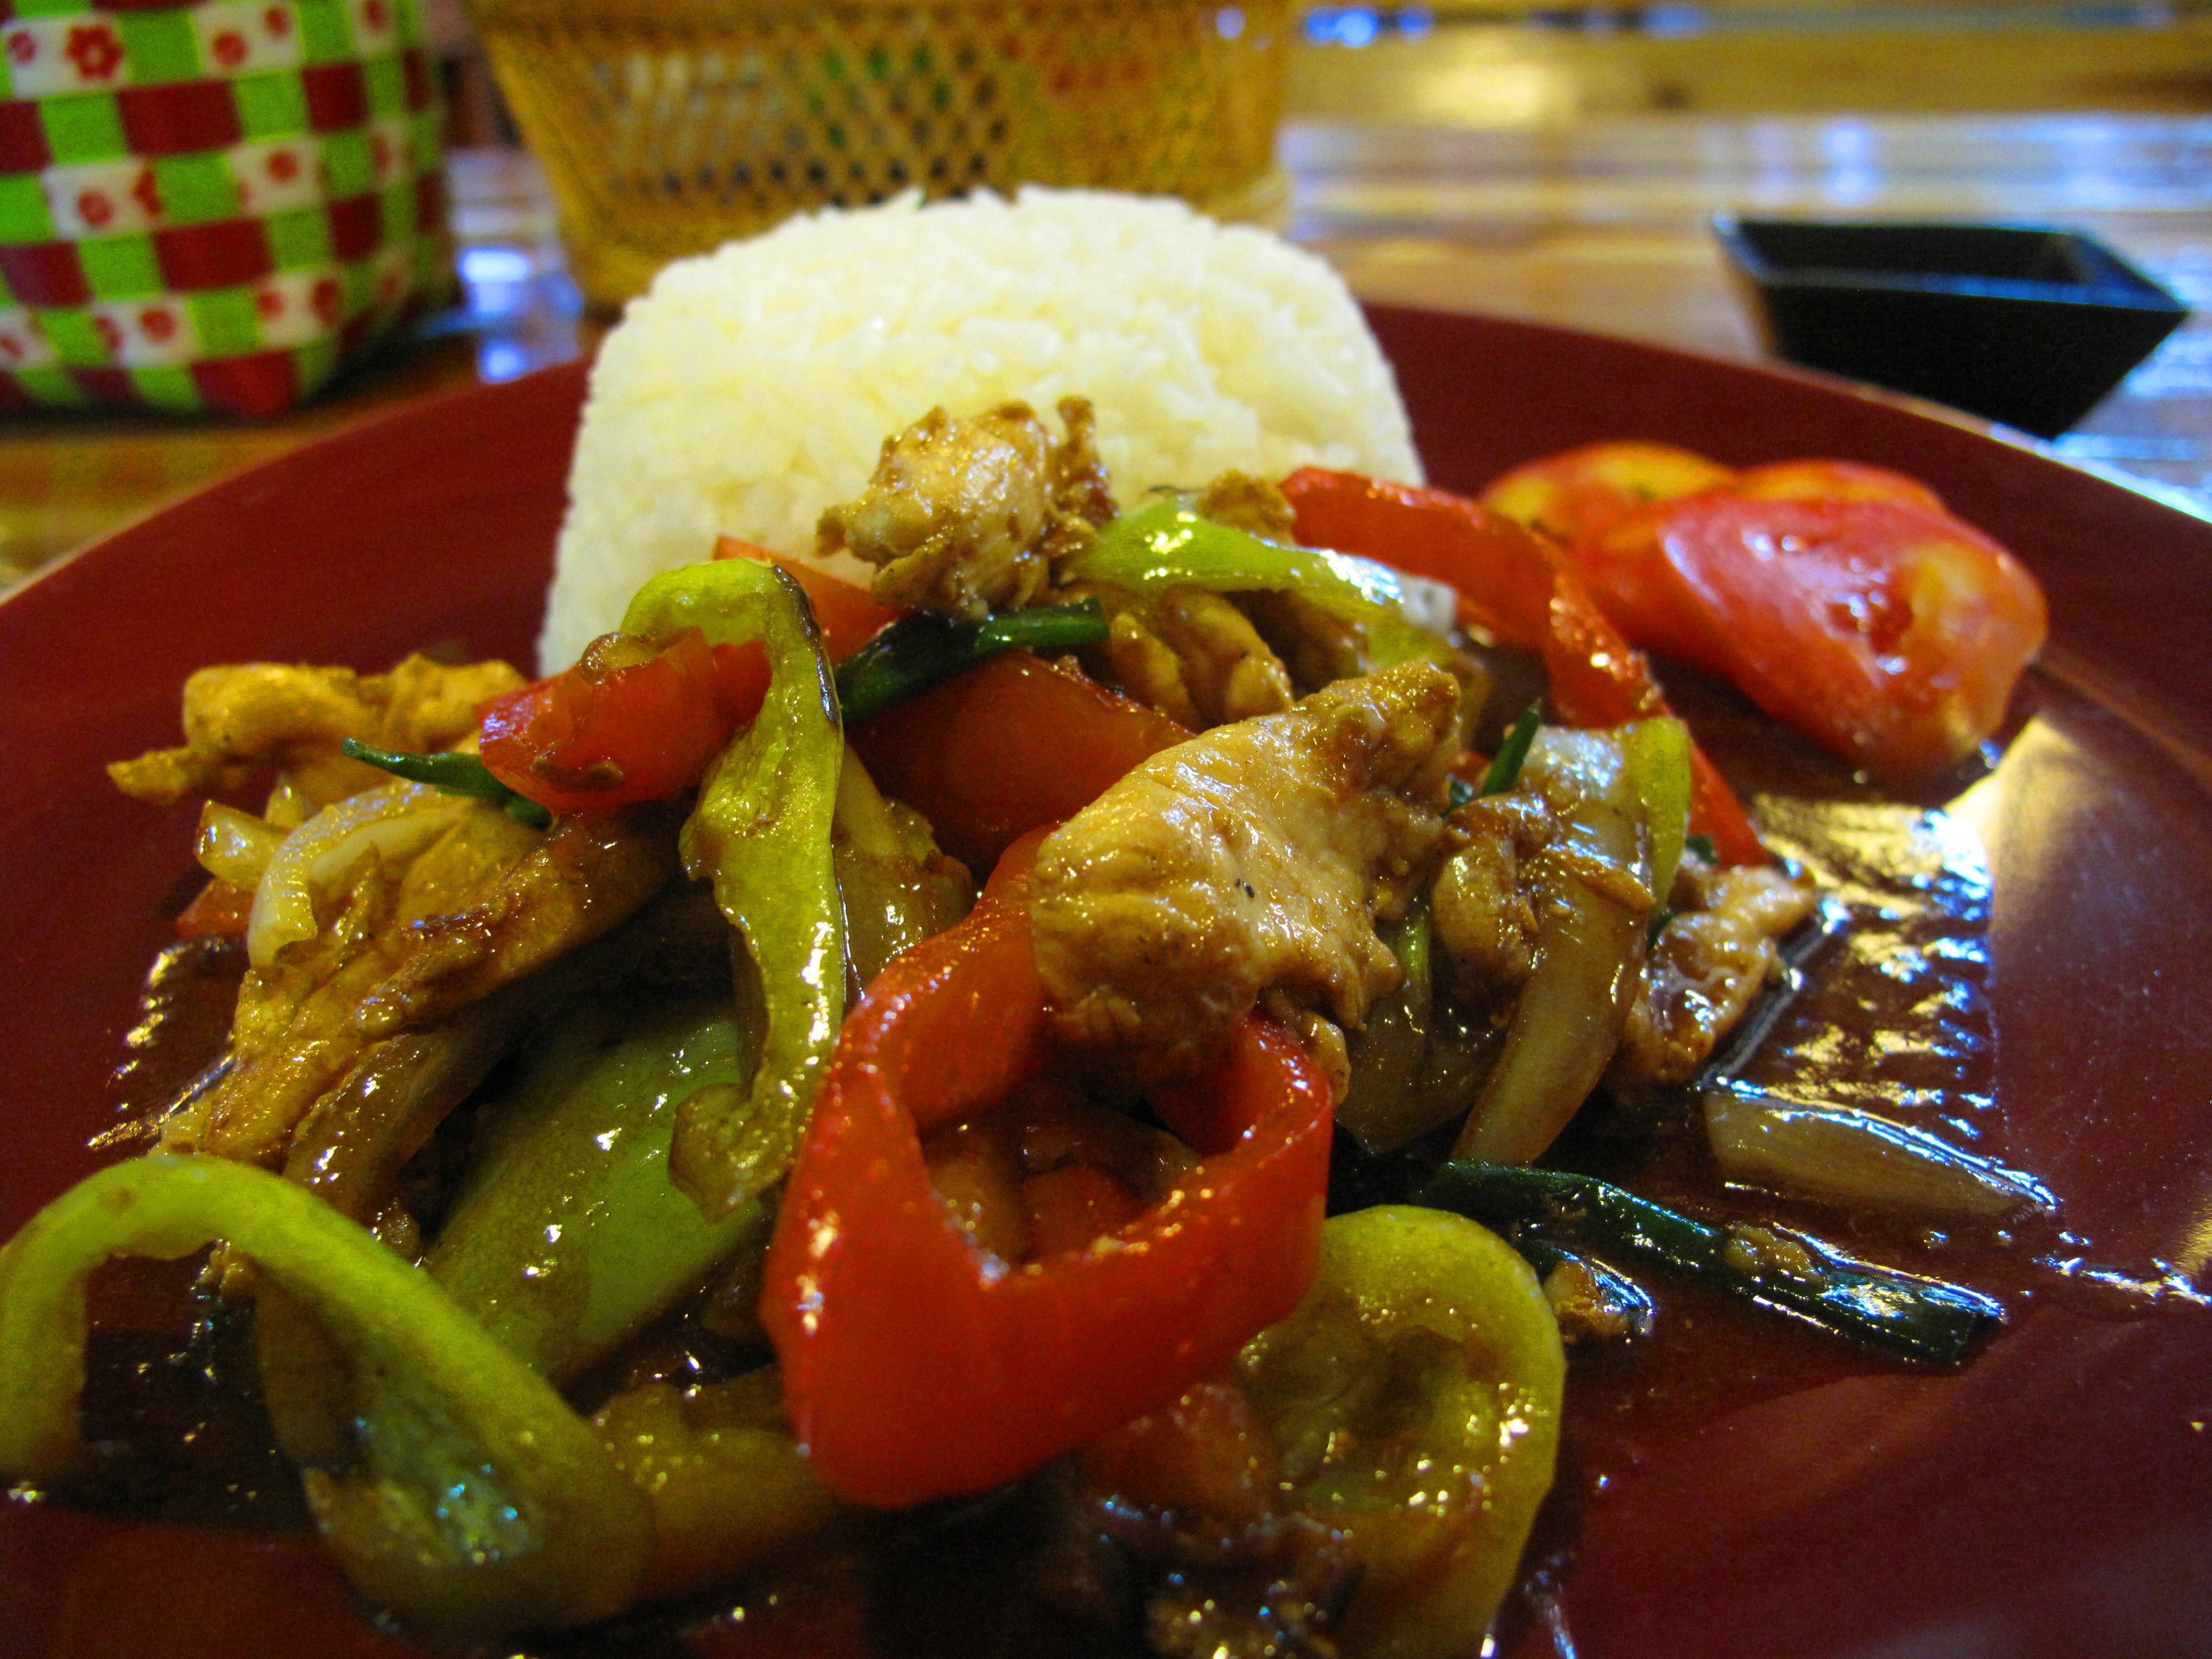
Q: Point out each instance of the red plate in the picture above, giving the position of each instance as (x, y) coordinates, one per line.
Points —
(2054, 1499)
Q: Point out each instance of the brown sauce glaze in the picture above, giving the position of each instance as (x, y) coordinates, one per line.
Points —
(182, 1023)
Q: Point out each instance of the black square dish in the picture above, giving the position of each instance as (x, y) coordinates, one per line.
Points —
(2027, 326)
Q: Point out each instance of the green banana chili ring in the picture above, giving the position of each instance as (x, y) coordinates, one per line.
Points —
(760, 833)
(479, 1502)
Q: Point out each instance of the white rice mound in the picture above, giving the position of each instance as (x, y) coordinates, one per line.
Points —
(753, 387)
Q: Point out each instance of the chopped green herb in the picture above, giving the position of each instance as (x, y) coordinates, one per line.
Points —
(924, 649)
(1505, 766)
(1921, 1319)
(451, 774)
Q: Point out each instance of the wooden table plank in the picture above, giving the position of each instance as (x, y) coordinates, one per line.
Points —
(1600, 224)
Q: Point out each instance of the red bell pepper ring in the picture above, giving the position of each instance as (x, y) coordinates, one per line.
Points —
(917, 1366)
(631, 722)
(1518, 587)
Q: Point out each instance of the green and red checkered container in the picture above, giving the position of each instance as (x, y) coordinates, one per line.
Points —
(210, 206)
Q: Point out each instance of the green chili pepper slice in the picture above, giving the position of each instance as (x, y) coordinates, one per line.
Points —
(924, 649)
(1166, 544)
(760, 833)
(567, 1235)
(478, 1502)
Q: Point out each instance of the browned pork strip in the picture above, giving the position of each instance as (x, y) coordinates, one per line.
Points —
(390, 963)
(1255, 858)
(239, 716)
(966, 516)
(1706, 967)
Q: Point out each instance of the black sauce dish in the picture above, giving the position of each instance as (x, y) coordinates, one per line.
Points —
(2023, 326)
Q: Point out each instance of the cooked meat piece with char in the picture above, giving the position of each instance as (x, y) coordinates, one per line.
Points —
(1191, 654)
(1705, 968)
(240, 716)
(966, 516)
(1482, 914)
(1257, 857)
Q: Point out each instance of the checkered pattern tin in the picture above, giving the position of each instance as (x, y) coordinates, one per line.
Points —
(210, 206)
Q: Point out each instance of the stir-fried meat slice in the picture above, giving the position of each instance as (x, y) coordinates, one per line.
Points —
(1480, 905)
(1315, 644)
(485, 904)
(967, 516)
(1230, 674)
(1482, 916)
(1190, 653)
(591, 872)
(1705, 968)
(1255, 857)
(1133, 657)
(243, 715)
(352, 1146)
(1252, 504)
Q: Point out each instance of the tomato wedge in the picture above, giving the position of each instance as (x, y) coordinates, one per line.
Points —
(1579, 494)
(1840, 597)
(1889, 633)
(1823, 480)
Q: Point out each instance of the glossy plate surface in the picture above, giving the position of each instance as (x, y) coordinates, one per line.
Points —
(2054, 1499)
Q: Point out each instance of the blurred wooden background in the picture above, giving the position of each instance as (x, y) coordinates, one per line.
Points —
(1560, 164)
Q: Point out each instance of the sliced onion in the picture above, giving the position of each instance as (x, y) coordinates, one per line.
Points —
(394, 822)
(1841, 1155)
(234, 845)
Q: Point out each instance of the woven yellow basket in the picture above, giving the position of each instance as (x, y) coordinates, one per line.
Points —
(667, 127)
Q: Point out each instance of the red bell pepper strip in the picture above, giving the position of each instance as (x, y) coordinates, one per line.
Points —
(846, 612)
(219, 908)
(1520, 589)
(1005, 747)
(915, 1365)
(634, 720)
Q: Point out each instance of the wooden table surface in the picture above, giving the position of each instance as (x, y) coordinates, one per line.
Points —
(1453, 197)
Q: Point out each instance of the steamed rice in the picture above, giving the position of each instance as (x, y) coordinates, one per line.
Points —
(754, 387)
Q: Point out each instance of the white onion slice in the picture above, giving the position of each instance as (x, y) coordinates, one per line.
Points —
(234, 845)
(393, 822)
(1840, 1154)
